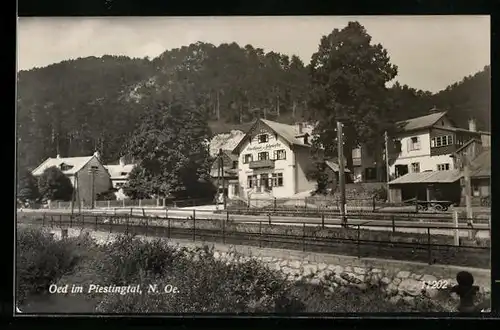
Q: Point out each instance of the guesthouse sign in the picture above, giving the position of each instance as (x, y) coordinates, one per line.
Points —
(263, 147)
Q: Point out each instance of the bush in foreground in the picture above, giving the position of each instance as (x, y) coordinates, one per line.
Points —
(205, 284)
(40, 261)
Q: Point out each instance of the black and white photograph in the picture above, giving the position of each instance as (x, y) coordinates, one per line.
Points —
(253, 164)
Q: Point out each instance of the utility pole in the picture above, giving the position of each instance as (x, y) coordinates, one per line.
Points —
(340, 140)
(218, 178)
(223, 180)
(468, 197)
(92, 171)
(386, 136)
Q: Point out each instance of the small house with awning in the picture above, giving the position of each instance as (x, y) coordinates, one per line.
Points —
(427, 186)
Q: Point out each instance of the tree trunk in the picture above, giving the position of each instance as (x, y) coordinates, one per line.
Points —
(294, 105)
(241, 113)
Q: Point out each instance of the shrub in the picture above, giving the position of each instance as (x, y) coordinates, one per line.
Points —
(129, 257)
(380, 193)
(205, 283)
(41, 260)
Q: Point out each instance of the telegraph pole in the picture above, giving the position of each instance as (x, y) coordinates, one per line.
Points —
(468, 193)
(386, 136)
(219, 169)
(340, 140)
(223, 180)
(92, 180)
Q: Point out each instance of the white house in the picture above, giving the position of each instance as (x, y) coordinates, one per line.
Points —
(87, 174)
(119, 176)
(427, 143)
(273, 160)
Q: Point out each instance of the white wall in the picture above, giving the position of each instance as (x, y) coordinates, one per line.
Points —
(304, 162)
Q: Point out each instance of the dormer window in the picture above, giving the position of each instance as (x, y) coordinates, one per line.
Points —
(65, 167)
(263, 138)
(123, 173)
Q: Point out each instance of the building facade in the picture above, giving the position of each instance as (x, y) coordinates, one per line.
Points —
(364, 165)
(119, 176)
(427, 143)
(274, 160)
(87, 175)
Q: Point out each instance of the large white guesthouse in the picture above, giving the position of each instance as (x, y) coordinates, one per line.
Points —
(273, 159)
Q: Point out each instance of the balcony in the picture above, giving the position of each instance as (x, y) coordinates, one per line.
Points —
(265, 163)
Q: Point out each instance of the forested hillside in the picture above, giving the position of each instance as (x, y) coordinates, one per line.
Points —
(77, 106)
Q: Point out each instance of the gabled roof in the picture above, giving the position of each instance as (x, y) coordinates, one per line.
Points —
(481, 165)
(335, 167)
(231, 156)
(77, 164)
(428, 177)
(288, 132)
(420, 122)
(116, 172)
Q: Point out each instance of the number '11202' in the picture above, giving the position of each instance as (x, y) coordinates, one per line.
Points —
(441, 284)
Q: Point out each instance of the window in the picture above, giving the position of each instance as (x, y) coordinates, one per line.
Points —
(415, 167)
(263, 155)
(124, 173)
(247, 158)
(235, 164)
(263, 138)
(475, 190)
(443, 167)
(252, 181)
(356, 153)
(414, 143)
(119, 185)
(441, 141)
(397, 146)
(264, 181)
(65, 167)
(279, 154)
(370, 173)
(277, 179)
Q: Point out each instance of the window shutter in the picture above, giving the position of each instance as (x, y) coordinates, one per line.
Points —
(408, 145)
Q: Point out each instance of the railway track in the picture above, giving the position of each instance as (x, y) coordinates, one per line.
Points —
(409, 251)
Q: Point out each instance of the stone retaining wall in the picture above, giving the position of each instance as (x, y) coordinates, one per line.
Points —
(396, 279)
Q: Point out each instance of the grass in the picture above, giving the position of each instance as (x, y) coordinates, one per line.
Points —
(205, 283)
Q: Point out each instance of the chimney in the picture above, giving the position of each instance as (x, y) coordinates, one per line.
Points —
(97, 155)
(122, 161)
(301, 127)
(58, 156)
(472, 125)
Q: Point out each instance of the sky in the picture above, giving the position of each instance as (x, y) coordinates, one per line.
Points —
(431, 52)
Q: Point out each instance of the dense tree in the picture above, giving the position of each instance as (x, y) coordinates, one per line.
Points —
(27, 187)
(173, 159)
(74, 107)
(348, 84)
(319, 173)
(54, 185)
